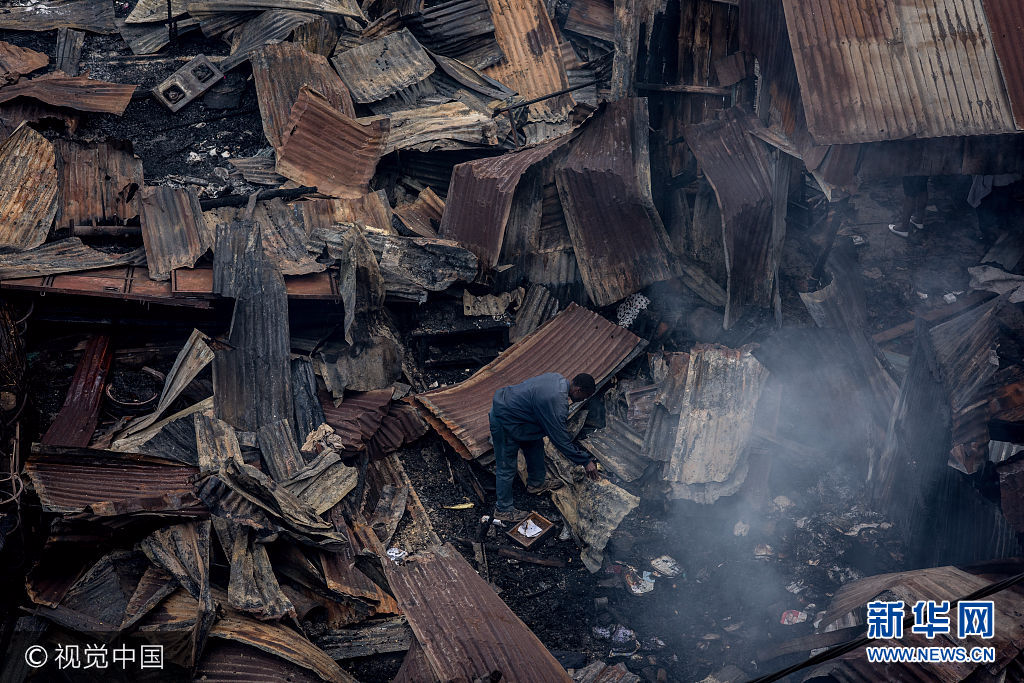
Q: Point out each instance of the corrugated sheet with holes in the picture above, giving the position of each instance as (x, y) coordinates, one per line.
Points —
(173, 229)
(886, 70)
(576, 340)
(99, 183)
(384, 66)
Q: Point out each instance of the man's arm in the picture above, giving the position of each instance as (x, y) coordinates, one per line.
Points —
(554, 419)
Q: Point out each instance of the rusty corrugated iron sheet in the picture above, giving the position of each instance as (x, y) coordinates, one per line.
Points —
(462, 29)
(173, 229)
(15, 61)
(421, 214)
(480, 199)
(881, 70)
(259, 170)
(324, 148)
(400, 427)
(279, 72)
(371, 210)
(576, 340)
(77, 418)
(227, 662)
(384, 66)
(74, 92)
(465, 630)
(358, 417)
(105, 483)
(96, 16)
(347, 8)
(593, 18)
(619, 448)
(605, 186)
(1006, 21)
(68, 255)
(737, 166)
(99, 183)
(533, 61)
(28, 193)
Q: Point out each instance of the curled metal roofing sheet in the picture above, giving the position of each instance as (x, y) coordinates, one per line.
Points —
(324, 148)
(89, 15)
(173, 229)
(450, 125)
(1006, 20)
(459, 28)
(15, 61)
(155, 10)
(279, 72)
(98, 183)
(605, 186)
(348, 8)
(464, 629)
(77, 418)
(358, 417)
(576, 340)
(887, 70)
(28, 193)
(384, 66)
(75, 92)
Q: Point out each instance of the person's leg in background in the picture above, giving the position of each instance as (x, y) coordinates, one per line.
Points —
(915, 199)
(536, 471)
(506, 453)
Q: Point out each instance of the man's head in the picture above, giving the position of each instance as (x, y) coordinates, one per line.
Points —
(581, 387)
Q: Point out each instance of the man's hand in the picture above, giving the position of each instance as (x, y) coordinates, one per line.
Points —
(591, 470)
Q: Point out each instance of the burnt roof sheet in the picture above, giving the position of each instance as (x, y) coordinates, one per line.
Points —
(28, 193)
(279, 72)
(155, 10)
(464, 628)
(89, 15)
(77, 418)
(604, 183)
(882, 70)
(593, 18)
(259, 170)
(347, 8)
(98, 183)
(576, 340)
(75, 92)
(737, 166)
(324, 148)
(480, 199)
(459, 28)
(173, 229)
(358, 417)
(15, 61)
(229, 662)
(1006, 21)
(384, 66)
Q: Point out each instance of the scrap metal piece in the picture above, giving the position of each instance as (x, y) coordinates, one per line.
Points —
(73, 92)
(324, 148)
(464, 628)
(99, 183)
(384, 66)
(450, 125)
(187, 83)
(462, 29)
(537, 308)
(173, 229)
(16, 61)
(372, 637)
(388, 512)
(423, 213)
(229, 662)
(576, 340)
(323, 482)
(146, 11)
(252, 585)
(370, 210)
(259, 170)
(77, 418)
(346, 8)
(96, 16)
(28, 194)
(618, 448)
(68, 255)
(69, 50)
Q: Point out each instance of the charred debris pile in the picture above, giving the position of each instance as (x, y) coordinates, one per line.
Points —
(254, 254)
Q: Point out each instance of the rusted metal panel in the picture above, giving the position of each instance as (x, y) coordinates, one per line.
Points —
(230, 662)
(533, 62)
(1006, 21)
(28, 194)
(96, 16)
(737, 166)
(384, 66)
(882, 70)
(284, 238)
(400, 427)
(576, 340)
(480, 199)
(258, 170)
(105, 483)
(593, 18)
(369, 638)
(324, 148)
(618, 448)
(75, 92)
(173, 229)
(77, 418)
(358, 417)
(464, 628)
(605, 185)
(423, 213)
(35, 268)
(279, 72)
(16, 61)
(715, 422)
(99, 183)
(450, 125)
(462, 29)
(265, 28)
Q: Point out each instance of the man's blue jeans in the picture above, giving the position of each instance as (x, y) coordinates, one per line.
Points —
(506, 452)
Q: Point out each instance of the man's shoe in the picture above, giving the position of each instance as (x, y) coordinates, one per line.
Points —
(510, 516)
(895, 229)
(546, 487)
(917, 222)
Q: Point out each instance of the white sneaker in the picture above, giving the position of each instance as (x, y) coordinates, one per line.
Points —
(894, 229)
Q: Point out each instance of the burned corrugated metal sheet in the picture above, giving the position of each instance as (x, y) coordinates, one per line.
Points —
(156, 10)
(63, 256)
(28, 194)
(230, 662)
(154, 585)
(605, 184)
(533, 62)
(264, 29)
(357, 418)
(464, 628)
(450, 125)
(737, 166)
(252, 585)
(324, 148)
(280, 641)
(576, 340)
(173, 229)
(459, 28)
(16, 61)
(252, 378)
(1006, 21)
(77, 418)
(284, 238)
(423, 213)
(384, 66)
(371, 210)
(400, 427)
(308, 413)
(715, 422)
(618, 448)
(278, 450)
(105, 483)
(96, 16)
(99, 183)
(259, 170)
(324, 482)
(74, 92)
(346, 8)
(887, 71)
(370, 638)
(537, 308)
(421, 263)
(593, 18)
(480, 199)
(279, 72)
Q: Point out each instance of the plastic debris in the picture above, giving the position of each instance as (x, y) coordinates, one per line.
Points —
(397, 555)
(460, 506)
(622, 635)
(666, 566)
(639, 583)
(529, 529)
(792, 616)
